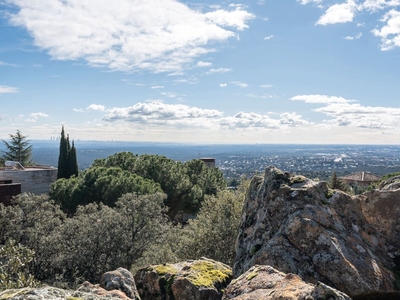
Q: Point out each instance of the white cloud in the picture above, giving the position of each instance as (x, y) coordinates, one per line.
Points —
(390, 33)
(219, 70)
(154, 35)
(35, 116)
(160, 113)
(339, 13)
(348, 113)
(96, 107)
(169, 94)
(223, 85)
(4, 89)
(156, 87)
(320, 99)
(79, 110)
(2, 63)
(239, 83)
(266, 86)
(204, 64)
(304, 2)
(292, 119)
(244, 120)
(269, 37)
(356, 37)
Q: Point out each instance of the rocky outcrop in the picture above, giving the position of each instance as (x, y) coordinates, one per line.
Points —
(190, 280)
(302, 227)
(265, 282)
(86, 292)
(120, 279)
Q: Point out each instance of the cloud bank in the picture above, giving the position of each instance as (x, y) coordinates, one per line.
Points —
(127, 35)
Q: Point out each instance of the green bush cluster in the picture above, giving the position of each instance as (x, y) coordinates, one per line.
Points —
(14, 272)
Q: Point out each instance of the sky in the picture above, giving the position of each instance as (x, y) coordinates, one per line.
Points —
(266, 71)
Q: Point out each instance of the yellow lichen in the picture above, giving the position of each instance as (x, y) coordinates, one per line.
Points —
(206, 273)
(165, 269)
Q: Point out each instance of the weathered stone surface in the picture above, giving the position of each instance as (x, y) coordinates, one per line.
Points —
(86, 292)
(190, 280)
(265, 282)
(300, 226)
(120, 279)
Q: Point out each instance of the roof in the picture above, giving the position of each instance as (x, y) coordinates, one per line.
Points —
(361, 176)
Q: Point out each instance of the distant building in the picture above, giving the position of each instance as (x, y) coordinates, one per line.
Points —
(360, 178)
(15, 179)
(209, 161)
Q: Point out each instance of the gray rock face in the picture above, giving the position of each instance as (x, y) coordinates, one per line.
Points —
(300, 226)
(120, 279)
(265, 282)
(190, 280)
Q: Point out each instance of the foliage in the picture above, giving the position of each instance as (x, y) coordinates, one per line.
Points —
(96, 239)
(99, 184)
(18, 149)
(13, 266)
(67, 161)
(186, 184)
(337, 184)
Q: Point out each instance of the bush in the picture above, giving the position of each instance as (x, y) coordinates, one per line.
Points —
(14, 272)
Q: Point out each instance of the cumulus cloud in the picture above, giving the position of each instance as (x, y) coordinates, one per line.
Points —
(79, 110)
(204, 64)
(4, 89)
(129, 35)
(96, 107)
(292, 119)
(239, 83)
(219, 70)
(390, 33)
(222, 84)
(304, 2)
(350, 113)
(160, 113)
(339, 13)
(35, 116)
(244, 120)
(356, 37)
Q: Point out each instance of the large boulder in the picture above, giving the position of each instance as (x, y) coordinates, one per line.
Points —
(120, 279)
(189, 280)
(302, 227)
(265, 282)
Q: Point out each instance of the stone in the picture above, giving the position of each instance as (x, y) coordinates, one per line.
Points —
(265, 282)
(300, 226)
(120, 279)
(189, 280)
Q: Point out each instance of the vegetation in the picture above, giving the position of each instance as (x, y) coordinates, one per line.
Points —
(337, 184)
(18, 149)
(186, 184)
(67, 162)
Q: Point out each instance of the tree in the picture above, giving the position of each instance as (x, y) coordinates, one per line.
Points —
(63, 156)
(18, 149)
(337, 184)
(67, 162)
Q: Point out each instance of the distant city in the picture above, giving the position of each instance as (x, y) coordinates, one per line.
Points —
(235, 161)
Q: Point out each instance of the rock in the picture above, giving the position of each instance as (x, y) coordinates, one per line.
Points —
(189, 280)
(120, 279)
(302, 227)
(86, 292)
(265, 282)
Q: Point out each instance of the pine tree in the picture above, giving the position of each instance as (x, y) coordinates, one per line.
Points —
(18, 149)
(336, 183)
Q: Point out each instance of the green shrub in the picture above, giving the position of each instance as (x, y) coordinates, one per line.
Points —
(14, 272)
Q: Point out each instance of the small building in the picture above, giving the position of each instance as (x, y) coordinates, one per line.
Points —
(209, 161)
(363, 179)
(35, 179)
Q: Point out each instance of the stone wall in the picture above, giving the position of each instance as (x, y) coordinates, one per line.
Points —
(34, 180)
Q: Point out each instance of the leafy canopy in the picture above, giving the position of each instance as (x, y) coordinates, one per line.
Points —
(17, 149)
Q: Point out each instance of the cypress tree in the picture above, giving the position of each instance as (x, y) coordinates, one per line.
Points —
(72, 162)
(63, 156)
(67, 162)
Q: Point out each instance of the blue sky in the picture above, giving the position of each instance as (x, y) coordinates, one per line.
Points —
(272, 71)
